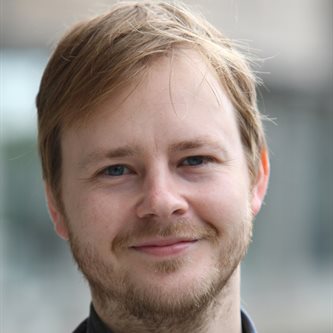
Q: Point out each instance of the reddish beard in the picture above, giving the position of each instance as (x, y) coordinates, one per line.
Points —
(118, 292)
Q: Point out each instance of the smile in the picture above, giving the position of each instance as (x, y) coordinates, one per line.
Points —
(161, 248)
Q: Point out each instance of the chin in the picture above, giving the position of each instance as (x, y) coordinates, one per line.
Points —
(172, 288)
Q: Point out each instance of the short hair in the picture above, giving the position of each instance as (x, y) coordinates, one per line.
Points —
(104, 53)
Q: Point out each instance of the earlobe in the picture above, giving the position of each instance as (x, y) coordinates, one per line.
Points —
(56, 214)
(261, 184)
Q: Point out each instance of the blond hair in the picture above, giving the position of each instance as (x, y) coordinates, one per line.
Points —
(104, 53)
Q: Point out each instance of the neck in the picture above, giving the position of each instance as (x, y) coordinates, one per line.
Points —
(222, 315)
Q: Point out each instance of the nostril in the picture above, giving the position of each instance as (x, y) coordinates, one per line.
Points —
(179, 211)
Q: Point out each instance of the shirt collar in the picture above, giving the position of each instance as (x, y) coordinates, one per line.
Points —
(247, 323)
(95, 324)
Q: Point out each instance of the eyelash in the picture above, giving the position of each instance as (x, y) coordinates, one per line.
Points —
(122, 166)
(203, 160)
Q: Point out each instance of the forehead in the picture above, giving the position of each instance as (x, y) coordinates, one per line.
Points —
(178, 105)
(178, 98)
(169, 78)
(184, 72)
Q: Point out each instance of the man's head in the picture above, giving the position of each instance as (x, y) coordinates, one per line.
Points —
(153, 156)
(100, 55)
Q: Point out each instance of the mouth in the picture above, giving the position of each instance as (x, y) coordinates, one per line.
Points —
(164, 247)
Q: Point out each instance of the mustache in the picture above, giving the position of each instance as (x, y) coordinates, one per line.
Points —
(150, 228)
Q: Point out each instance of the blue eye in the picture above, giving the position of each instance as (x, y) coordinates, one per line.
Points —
(195, 160)
(116, 170)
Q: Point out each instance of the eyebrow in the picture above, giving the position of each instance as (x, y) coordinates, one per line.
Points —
(100, 155)
(195, 144)
(129, 150)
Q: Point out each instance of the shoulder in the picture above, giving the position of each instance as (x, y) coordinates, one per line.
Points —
(82, 328)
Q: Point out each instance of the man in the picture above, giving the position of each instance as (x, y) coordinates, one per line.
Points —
(155, 163)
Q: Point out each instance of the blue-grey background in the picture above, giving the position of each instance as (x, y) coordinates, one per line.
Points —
(287, 275)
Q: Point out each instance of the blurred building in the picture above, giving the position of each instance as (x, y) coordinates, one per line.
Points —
(287, 276)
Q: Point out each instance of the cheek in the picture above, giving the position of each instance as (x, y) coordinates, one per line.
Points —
(95, 216)
(224, 206)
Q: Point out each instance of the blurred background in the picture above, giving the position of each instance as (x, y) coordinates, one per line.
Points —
(287, 275)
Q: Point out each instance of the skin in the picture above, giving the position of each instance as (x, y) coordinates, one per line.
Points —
(158, 204)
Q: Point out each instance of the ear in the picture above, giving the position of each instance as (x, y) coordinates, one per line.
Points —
(260, 187)
(56, 214)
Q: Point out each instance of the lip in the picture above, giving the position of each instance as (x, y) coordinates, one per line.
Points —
(164, 247)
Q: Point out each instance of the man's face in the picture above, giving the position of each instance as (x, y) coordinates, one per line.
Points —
(156, 191)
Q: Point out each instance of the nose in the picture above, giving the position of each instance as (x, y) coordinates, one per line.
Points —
(161, 197)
